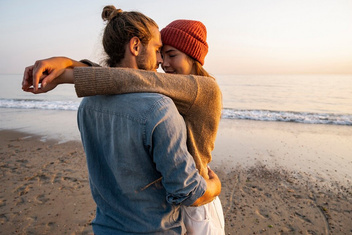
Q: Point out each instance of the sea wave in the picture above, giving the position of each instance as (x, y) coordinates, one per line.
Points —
(227, 113)
(39, 104)
(288, 116)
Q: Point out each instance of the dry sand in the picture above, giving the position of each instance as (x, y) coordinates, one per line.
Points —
(45, 190)
(44, 186)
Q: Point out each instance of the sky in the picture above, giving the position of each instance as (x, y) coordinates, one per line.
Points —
(244, 36)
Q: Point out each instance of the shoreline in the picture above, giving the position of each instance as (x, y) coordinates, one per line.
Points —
(59, 125)
(45, 189)
(322, 151)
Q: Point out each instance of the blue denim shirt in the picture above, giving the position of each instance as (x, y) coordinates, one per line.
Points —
(131, 141)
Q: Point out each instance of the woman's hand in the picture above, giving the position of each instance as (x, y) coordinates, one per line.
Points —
(66, 77)
(48, 73)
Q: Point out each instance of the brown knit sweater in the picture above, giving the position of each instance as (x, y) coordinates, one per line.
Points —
(197, 98)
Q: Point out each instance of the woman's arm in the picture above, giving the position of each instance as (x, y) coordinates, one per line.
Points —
(94, 80)
(184, 90)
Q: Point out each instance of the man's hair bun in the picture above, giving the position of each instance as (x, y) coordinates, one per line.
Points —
(109, 12)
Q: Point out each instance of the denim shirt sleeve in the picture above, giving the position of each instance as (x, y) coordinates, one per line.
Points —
(166, 137)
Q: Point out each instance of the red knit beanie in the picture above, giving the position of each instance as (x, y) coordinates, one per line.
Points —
(188, 36)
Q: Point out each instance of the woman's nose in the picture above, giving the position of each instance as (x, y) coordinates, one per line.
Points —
(159, 58)
(165, 62)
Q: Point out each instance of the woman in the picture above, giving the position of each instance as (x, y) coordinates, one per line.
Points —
(198, 99)
(183, 52)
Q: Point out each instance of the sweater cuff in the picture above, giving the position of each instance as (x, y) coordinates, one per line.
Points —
(92, 81)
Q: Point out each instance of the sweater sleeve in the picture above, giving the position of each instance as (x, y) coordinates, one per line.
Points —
(182, 89)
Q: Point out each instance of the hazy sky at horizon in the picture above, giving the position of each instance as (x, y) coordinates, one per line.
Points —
(244, 37)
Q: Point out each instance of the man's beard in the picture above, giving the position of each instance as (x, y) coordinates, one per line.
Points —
(143, 61)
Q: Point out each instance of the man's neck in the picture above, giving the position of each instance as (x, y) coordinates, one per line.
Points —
(127, 62)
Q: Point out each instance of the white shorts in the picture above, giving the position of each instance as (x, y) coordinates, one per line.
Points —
(204, 220)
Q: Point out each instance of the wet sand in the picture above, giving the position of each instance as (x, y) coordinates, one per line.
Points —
(276, 179)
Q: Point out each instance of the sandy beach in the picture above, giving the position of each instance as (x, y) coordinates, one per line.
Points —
(277, 178)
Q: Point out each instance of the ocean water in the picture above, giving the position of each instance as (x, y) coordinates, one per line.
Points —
(51, 115)
(309, 99)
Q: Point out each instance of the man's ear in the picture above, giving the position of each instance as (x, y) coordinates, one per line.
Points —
(135, 46)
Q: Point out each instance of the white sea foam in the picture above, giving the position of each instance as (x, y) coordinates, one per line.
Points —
(227, 113)
(38, 104)
(310, 99)
(287, 116)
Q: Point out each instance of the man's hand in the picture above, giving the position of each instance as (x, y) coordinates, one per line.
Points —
(48, 73)
(213, 189)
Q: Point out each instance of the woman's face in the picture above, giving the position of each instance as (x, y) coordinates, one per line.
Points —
(175, 61)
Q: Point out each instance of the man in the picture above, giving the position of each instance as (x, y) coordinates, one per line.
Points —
(133, 140)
